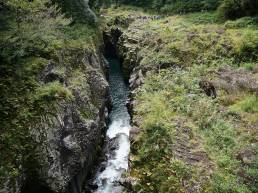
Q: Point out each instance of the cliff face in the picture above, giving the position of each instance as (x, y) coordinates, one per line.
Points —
(53, 96)
(70, 137)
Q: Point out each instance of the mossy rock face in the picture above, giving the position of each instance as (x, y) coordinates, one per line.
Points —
(72, 125)
(50, 112)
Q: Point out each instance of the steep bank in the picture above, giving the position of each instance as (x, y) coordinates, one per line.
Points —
(53, 98)
(194, 85)
(71, 134)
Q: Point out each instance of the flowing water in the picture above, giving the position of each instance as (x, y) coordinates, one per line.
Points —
(118, 132)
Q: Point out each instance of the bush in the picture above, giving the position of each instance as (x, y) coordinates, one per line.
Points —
(175, 6)
(189, 6)
(248, 49)
(242, 23)
(232, 9)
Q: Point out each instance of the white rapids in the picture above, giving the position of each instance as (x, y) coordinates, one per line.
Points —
(117, 160)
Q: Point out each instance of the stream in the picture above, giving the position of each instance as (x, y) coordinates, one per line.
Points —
(118, 144)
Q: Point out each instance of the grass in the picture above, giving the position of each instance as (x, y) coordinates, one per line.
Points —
(185, 37)
(192, 46)
(248, 104)
(221, 139)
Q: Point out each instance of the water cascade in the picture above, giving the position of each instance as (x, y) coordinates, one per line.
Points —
(117, 134)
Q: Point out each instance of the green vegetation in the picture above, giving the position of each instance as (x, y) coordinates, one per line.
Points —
(248, 104)
(238, 8)
(34, 34)
(174, 6)
(220, 136)
(228, 9)
(179, 123)
(188, 141)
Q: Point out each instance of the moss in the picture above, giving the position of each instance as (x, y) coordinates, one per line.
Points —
(87, 114)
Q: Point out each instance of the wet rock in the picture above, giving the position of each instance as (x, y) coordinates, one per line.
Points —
(93, 186)
(136, 79)
(90, 187)
(112, 145)
(102, 167)
(128, 183)
(111, 37)
(130, 106)
(70, 143)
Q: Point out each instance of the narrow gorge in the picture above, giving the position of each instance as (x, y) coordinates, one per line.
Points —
(157, 96)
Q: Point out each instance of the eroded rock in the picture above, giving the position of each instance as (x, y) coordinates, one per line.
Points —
(69, 137)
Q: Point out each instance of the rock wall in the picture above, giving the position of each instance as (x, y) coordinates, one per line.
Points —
(70, 137)
(121, 39)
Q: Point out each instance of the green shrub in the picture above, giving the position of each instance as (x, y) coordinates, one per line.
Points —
(248, 65)
(184, 6)
(242, 23)
(228, 184)
(246, 46)
(232, 9)
(175, 6)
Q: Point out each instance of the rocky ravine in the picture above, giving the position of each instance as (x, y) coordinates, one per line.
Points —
(71, 134)
(121, 39)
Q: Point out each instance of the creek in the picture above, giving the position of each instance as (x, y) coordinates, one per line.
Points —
(117, 142)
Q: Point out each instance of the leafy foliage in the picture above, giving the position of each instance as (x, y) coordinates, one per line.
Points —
(232, 9)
